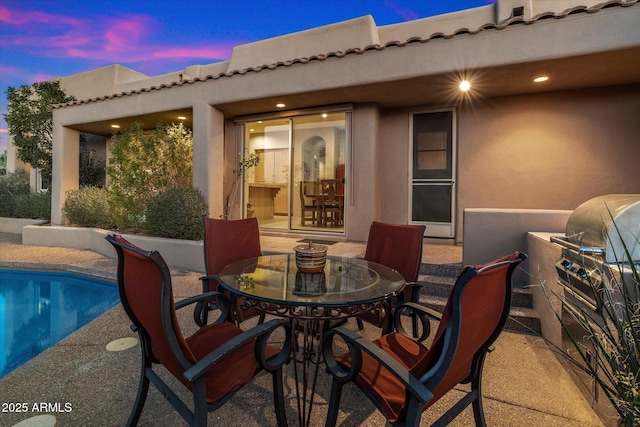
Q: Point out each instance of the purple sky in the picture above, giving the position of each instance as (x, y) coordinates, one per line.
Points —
(42, 39)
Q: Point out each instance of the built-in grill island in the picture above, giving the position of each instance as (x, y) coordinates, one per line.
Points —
(594, 255)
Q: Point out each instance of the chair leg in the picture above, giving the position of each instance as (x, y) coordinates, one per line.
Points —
(334, 403)
(476, 384)
(143, 388)
(278, 398)
(414, 326)
(200, 410)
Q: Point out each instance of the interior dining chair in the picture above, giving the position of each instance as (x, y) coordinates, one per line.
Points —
(213, 363)
(227, 241)
(331, 203)
(397, 246)
(402, 376)
(308, 206)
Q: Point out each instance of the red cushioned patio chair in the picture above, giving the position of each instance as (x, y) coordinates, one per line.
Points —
(227, 241)
(397, 246)
(213, 363)
(403, 377)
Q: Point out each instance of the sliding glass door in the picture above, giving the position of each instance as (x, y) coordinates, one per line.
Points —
(299, 157)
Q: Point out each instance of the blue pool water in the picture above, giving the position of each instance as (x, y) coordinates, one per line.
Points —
(38, 309)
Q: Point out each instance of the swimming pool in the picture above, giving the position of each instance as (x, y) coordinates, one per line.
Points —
(38, 309)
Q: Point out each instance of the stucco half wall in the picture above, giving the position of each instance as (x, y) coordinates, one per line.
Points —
(492, 233)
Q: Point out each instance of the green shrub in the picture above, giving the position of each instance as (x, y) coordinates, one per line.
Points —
(145, 163)
(32, 205)
(12, 185)
(177, 213)
(88, 207)
(92, 170)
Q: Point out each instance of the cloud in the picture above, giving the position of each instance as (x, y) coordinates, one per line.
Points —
(404, 12)
(125, 39)
(16, 74)
(10, 71)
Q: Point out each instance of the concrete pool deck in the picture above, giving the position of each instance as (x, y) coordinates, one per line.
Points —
(81, 383)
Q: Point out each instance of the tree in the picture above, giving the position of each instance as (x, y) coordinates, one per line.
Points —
(3, 163)
(30, 122)
(92, 170)
(145, 163)
(244, 165)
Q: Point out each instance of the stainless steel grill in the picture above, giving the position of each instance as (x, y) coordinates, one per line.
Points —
(593, 254)
(597, 233)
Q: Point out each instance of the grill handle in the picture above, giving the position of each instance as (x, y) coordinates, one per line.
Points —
(591, 250)
(583, 250)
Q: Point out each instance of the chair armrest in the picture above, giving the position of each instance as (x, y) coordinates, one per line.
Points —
(206, 279)
(416, 312)
(415, 288)
(261, 334)
(197, 298)
(357, 344)
(204, 303)
(421, 309)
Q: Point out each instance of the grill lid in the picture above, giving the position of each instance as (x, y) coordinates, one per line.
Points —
(608, 222)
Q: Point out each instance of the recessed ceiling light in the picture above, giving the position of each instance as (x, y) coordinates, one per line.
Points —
(280, 105)
(115, 126)
(464, 85)
(182, 118)
(541, 79)
(324, 115)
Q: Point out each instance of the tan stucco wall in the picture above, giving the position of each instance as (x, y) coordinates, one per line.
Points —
(546, 151)
(362, 202)
(550, 151)
(99, 82)
(355, 32)
(65, 170)
(208, 150)
(543, 255)
(393, 164)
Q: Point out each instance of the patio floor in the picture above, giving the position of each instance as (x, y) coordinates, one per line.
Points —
(524, 383)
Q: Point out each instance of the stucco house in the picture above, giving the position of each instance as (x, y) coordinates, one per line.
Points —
(550, 118)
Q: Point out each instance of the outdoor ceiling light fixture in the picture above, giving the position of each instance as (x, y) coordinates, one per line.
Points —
(541, 79)
(115, 126)
(464, 86)
(280, 105)
(182, 118)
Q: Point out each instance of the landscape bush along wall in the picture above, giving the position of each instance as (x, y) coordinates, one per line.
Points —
(88, 207)
(17, 201)
(177, 213)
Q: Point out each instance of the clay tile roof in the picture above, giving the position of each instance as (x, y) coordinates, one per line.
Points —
(356, 50)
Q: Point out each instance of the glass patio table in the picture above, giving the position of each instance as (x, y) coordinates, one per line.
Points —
(345, 288)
